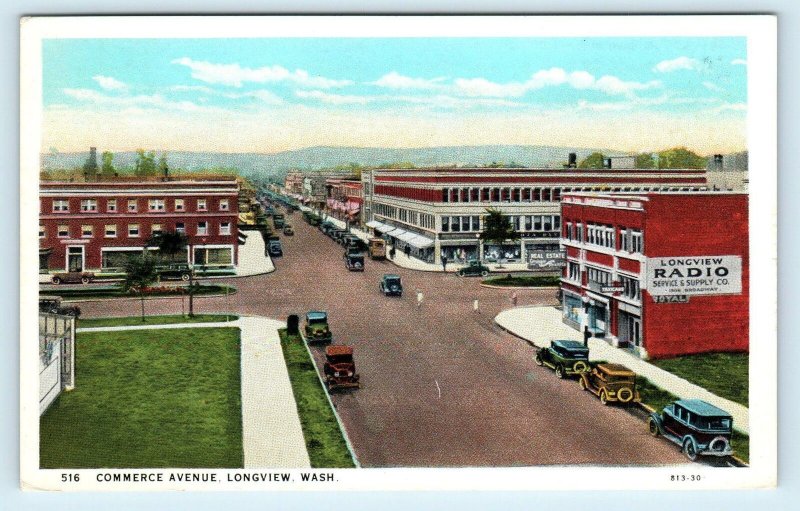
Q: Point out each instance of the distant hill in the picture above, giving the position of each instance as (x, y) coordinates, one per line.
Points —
(312, 158)
(277, 164)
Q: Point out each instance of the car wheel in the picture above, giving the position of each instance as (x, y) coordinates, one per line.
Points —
(625, 395)
(185, 277)
(56, 280)
(603, 398)
(484, 273)
(582, 383)
(560, 372)
(85, 280)
(460, 273)
(538, 359)
(652, 427)
(690, 449)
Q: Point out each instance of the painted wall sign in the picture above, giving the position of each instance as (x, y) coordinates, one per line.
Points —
(694, 275)
(671, 299)
(546, 259)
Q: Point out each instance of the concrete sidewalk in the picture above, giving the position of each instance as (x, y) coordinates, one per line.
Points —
(412, 263)
(540, 325)
(253, 258)
(272, 436)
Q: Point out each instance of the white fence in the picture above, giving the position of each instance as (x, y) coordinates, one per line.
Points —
(56, 357)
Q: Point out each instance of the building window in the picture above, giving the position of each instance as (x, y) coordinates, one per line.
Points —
(133, 230)
(201, 205)
(179, 205)
(225, 228)
(63, 231)
(455, 224)
(213, 256)
(445, 224)
(632, 288)
(568, 230)
(88, 205)
(111, 231)
(156, 229)
(202, 228)
(579, 233)
(637, 242)
(537, 222)
(155, 205)
(111, 205)
(574, 271)
(132, 206)
(476, 223)
(180, 227)
(86, 231)
(224, 205)
(42, 232)
(598, 277)
(60, 205)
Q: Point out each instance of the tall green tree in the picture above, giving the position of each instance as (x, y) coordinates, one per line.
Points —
(163, 168)
(645, 161)
(140, 272)
(497, 228)
(145, 163)
(680, 158)
(108, 164)
(593, 161)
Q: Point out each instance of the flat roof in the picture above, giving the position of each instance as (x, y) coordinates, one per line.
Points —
(615, 369)
(700, 407)
(338, 350)
(570, 345)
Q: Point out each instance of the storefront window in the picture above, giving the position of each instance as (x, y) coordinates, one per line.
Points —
(572, 307)
(460, 254)
(508, 253)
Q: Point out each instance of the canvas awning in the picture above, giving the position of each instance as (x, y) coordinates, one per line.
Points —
(396, 232)
(373, 224)
(407, 236)
(418, 241)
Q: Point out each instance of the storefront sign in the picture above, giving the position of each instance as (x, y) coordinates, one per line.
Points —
(694, 275)
(546, 259)
(671, 299)
(612, 289)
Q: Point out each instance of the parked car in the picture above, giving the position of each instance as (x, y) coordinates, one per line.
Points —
(700, 428)
(354, 262)
(278, 220)
(275, 248)
(180, 271)
(391, 285)
(352, 251)
(345, 238)
(611, 382)
(355, 242)
(316, 327)
(288, 230)
(337, 234)
(340, 368)
(72, 277)
(377, 248)
(327, 227)
(565, 357)
(473, 269)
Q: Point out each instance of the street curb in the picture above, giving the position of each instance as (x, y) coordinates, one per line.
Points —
(520, 287)
(644, 406)
(148, 298)
(330, 402)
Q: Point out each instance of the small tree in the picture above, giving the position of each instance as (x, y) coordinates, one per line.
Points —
(108, 164)
(140, 272)
(593, 161)
(645, 161)
(680, 158)
(497, 228)
(170, 244)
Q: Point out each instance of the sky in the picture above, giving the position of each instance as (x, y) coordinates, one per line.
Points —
(271, 95)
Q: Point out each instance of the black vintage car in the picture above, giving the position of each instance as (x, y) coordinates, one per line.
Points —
(390, 285)
(473, 269)
(699, 428)
(354, 262)
(72, 277)
(316, 327)
(180, 271)
(274, 248)
(565, 357)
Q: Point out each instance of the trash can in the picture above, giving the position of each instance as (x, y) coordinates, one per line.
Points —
(293, 324)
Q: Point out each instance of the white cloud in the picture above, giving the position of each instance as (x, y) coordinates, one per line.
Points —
(235, 75)
(548, 78)
(192, 88)
(395, 80)
(604, 107)
(736, 107)
(155, 101)
(738, 62)
(263, 95)
(109, 83)
(668, 66)
(713, 87)
(334, 99)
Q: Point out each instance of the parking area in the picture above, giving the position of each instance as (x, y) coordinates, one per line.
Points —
(442, 384)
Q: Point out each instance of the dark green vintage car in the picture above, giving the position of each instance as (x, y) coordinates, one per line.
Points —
(565, 357)
(316, 327)
(473, 269)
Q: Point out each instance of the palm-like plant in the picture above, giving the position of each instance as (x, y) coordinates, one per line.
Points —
(140, 272)
(497, 228)
(170, 244)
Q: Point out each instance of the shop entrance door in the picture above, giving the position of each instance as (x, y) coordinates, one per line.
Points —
(75, 258)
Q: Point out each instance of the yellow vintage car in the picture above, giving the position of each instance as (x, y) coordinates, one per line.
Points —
(611, 382)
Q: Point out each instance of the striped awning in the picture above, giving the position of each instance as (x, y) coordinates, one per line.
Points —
(420, 241)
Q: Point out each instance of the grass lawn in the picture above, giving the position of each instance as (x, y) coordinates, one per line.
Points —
(324, 441)
(524, 281)
(116, 292)
(149, 399)
(154, 320)
(724, 374)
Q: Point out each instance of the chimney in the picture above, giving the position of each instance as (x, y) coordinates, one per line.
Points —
(606, 163)
(573, 160)
(718, 162)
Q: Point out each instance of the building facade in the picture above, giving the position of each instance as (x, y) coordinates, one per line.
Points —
(344, 199)
(96, 226)
(663, 274)
(440, 211)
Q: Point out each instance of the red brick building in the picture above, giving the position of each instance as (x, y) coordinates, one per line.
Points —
(94, 226)
(663, 274)
(344, 199)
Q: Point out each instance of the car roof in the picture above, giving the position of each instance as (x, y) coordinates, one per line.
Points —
(338, 350)
(700, 407)
(316, 314)
(391, 276)
(570, 345)
(615, 370)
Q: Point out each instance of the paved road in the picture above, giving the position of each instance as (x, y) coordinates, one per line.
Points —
(442, 385)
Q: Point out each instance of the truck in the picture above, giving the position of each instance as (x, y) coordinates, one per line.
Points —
(377, 248)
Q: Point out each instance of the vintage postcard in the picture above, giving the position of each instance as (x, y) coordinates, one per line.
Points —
(382, 253)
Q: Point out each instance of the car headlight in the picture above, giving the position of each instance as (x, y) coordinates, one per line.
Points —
(336, 374)
(349, 373)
